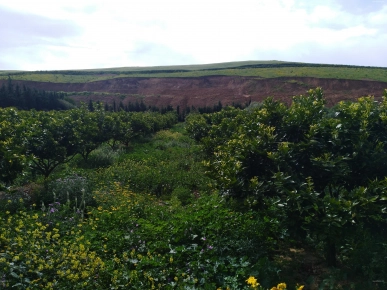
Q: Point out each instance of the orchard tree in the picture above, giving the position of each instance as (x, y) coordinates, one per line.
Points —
(51, 141)
(12, 149)
(86, 132)
(122, 130)
(326, 168)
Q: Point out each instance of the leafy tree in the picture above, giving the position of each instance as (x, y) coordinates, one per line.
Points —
(316, 163)
(122, 130)
(91, 128)
(51, 141)
(12, 150)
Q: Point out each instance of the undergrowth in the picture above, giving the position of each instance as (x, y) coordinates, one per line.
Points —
(147, 217)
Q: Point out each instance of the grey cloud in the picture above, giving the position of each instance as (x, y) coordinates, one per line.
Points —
(331, 25)
(23, 29)
(357, 7)
(361, 7)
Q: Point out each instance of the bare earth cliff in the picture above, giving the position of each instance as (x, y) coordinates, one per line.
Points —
(207, 91)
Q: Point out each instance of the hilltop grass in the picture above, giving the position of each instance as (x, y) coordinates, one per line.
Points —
(270, 69)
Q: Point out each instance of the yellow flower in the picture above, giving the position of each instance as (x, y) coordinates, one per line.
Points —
(281, 286)
(301, 287)
(252, 282)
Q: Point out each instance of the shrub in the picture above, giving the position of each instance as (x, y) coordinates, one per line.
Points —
(104, 156)
(184, 195)
(75, 188)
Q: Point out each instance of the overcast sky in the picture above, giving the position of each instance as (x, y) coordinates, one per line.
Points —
(80, 34)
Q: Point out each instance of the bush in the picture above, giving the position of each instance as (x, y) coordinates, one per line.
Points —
(104, 156)
(184, 195)
(74, 188)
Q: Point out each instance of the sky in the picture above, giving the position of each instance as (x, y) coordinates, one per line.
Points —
(86, 34)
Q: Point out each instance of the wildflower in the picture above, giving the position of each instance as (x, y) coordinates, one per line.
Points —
(300, 287)
(252, 282)
(281, 286)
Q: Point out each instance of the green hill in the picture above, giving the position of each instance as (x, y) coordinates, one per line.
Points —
(259, 69)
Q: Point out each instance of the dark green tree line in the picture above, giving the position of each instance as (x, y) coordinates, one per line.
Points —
(25, 98)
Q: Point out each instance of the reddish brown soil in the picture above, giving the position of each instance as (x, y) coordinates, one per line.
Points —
(207, 91)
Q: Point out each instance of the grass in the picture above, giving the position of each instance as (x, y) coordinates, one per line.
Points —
(259, 69)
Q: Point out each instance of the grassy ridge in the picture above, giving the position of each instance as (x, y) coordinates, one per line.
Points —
(260, 69)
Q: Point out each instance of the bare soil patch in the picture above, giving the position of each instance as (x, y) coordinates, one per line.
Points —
(208, 91)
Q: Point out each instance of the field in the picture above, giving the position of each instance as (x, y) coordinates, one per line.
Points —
(269, 69)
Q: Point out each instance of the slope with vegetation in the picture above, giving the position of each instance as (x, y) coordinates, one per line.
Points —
(206, 85)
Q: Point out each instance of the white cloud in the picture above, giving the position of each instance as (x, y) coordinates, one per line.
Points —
(117, 33)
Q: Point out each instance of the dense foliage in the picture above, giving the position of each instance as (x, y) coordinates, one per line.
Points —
(181, 236)
(44, 140)
(325, 168)
(93, 199)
